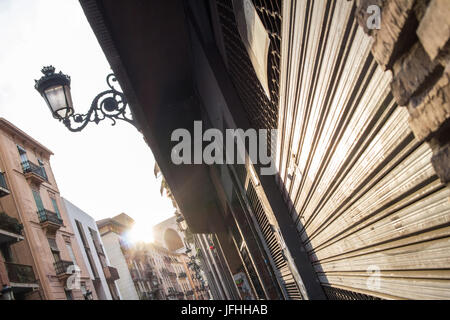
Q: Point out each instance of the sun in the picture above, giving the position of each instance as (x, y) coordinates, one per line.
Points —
(141, 232)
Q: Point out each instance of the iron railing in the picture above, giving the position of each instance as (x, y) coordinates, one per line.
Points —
(48, 216)
(20, 273)
(189, 293)
(341, 294)
(262, 111)
(134, 274)
(146, 296)
(62, 266)
(30, 167)
(171, 290)
(10, 224)
(155, 282)
(150, 275)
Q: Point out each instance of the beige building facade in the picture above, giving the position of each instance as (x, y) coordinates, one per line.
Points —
(46, 256)
(148, 271)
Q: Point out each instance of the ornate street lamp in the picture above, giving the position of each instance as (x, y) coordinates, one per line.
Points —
(55, 89)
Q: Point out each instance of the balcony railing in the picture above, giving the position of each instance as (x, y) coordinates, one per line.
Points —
(171, 290)
(48, 216)
(155, 282)
(61, 267)
(189, 293)
(146, 296)
(19, 273)
(10, 224)
(150, 274)
(4, 191)
(30, 167)
(135, 275)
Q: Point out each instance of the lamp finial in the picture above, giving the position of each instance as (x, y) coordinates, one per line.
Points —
(48, 70)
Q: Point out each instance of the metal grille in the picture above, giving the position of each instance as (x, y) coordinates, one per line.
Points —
(276, 252)
(262, 112)
(341, 294)
(252, 273)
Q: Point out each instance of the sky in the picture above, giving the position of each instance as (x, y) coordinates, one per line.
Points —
(104, 170)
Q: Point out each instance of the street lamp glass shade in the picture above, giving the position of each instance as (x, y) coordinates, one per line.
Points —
(59, 101)
(55, 89)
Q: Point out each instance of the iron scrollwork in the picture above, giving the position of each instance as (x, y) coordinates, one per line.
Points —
(111, 104)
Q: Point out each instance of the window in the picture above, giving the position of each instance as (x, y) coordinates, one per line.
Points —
(96, 240)
(38, 200)
(70, 250)
(87, 249)
(55, 207)
(54, 249)
(23, 154)
(41, 164)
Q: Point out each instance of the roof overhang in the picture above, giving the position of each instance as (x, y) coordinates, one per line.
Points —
(147, 44)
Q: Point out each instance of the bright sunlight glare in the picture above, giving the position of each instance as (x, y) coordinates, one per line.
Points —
(141, 232)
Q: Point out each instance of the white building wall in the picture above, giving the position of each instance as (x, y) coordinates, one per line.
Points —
(125, 283)
(159, 231)
(87, 221)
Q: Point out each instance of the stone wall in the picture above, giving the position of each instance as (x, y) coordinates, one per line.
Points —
(412, 41)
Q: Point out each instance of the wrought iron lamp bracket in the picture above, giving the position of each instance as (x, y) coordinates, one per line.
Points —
(110, 104)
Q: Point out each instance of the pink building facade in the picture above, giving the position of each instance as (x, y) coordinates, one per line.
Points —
(44, 260)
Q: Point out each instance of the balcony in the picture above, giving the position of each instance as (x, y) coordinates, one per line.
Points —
(189, 293)
(4, 191)
(20, 273)
(171, 291)
(10, 229)
(34, 173)
(146, 296)
(111, 273)
(62, 269)
(50, 221)
(135, 275)
(149, 275)
(155, 283)
(182, 275)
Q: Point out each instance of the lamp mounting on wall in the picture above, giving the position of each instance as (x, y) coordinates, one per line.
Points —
(55, 89)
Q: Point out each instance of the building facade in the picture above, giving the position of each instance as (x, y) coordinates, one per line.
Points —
(358, 207)
(112, 232)
(171, 269)
(168, 235)
(40, 254)
(102, 274)
(148, 271)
